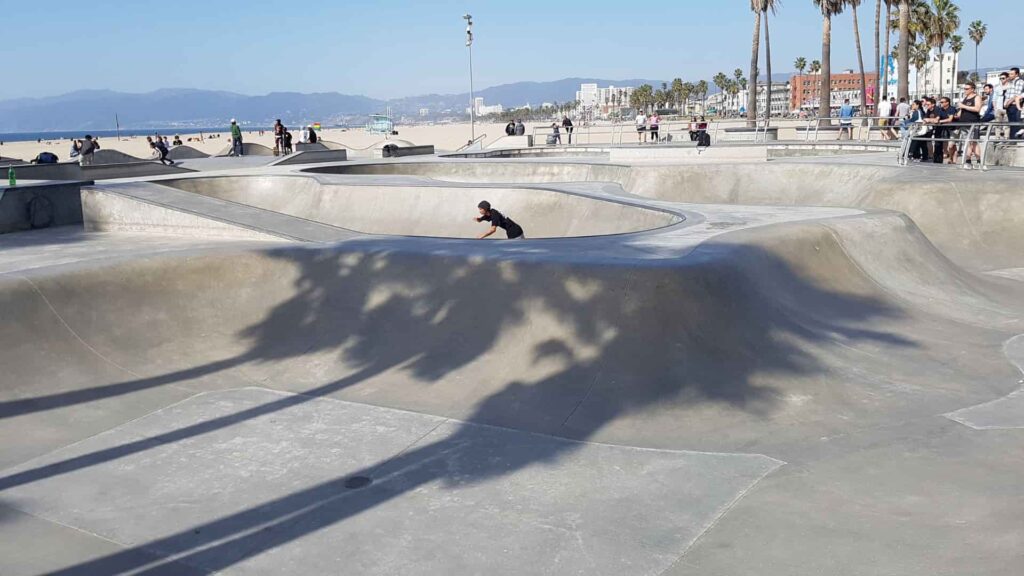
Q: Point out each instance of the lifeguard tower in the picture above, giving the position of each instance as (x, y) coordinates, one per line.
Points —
(381, 124)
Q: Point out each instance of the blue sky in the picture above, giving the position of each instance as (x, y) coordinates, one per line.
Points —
(408, 47)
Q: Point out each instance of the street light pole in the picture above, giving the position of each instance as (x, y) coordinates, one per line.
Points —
(472, 96)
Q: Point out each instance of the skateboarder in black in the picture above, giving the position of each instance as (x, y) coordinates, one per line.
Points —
(498, 220)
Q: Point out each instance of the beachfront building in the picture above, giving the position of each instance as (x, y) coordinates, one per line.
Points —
(805, 90)
(597, 102)
(939, 75)
(481, 109)
(736, 104)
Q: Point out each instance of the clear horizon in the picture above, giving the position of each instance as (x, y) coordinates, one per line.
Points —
(399, 49)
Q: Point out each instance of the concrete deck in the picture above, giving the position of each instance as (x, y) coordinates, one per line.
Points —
(794, 367)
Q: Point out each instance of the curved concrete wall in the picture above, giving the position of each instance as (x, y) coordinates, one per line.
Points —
(428, 210)
(977, 226)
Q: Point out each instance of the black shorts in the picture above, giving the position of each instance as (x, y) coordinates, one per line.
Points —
(641, 128)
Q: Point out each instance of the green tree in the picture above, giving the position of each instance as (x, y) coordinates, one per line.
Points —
(702, 90)
(977, 31)
(677, 92)
(828, 8)
(919, 55)
(956, 45)
(800, 64)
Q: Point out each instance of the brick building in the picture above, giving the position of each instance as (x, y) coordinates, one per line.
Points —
(805, 89)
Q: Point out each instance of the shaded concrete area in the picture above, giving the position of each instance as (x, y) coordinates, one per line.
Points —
(783, 381)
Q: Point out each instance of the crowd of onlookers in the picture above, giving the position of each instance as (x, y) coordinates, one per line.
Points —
(936, 127)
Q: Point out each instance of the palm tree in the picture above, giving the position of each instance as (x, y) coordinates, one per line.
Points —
(766, 7)
(800, 64)
(977, 31)
(702, 89)
(956, 45)
(853, 4)
(919, 54)
(904, 50)
(677, 92)
(721, 81)
(878, 52)
(888, 47)
(815, 66)
(829, 8)
(943, 21)
(755, 51)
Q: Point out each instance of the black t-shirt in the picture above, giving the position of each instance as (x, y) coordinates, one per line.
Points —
(498, 219)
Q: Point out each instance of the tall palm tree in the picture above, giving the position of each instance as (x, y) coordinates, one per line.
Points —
(943, 22)
(853, 4)
(919, 54)
(800, 64)
(904, 50)
(677, 92)
(702, 89)
(829, 8)
(977, 31)
(888, 46)
(878, 52)
(956, 46)
(755, 51)
(815, 66)
(766, 7)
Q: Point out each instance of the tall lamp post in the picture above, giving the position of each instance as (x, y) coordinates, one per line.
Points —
(472, 97)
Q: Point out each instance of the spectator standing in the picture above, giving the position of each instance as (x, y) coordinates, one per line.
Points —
(510, 128)
(236, 139)
(520, 128)
(89, 147)
(641, 127)
(846, 120)
(654, 123)
(971, 106)
(1012, 102)
(279, 132)
(567, 124)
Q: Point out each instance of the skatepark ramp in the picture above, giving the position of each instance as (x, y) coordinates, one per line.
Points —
(429, 210)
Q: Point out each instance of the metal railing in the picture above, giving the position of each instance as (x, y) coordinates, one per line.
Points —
(860, 128)
(478, 140)
(962, 134)
(622, 133)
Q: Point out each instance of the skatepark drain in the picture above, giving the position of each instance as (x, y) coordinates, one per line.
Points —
(357, 482)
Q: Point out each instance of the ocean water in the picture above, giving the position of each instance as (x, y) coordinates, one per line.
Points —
(105, 134)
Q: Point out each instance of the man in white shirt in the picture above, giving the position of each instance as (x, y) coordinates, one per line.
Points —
(902, 112)
(641, 127)
(999, 101)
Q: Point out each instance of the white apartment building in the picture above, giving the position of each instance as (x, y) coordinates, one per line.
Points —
(929, 77)
(737, 104)
(596, 102)
(480, 109)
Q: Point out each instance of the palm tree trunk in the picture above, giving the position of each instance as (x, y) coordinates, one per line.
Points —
(888, 47)
(860, 60)
(825, 106)
(878, 55)
(768, 65)
(976, 77)
(755, 50)
(939, 91)
(904, 55)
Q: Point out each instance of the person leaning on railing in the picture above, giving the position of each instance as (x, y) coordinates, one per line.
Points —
(971, 106)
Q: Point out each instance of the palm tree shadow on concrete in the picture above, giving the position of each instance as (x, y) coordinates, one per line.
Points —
(560, 349)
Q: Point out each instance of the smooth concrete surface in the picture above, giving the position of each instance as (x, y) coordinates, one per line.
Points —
(800, 377)
(429, 210)
(312, 156)
(186, 152)
(73, 171)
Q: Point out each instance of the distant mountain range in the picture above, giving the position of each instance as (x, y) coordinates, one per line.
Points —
(96, 109)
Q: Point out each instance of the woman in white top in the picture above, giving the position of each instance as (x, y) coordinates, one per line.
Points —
(641, 127)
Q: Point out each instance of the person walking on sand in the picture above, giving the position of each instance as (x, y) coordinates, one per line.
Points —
(498, 220)
(236, 139)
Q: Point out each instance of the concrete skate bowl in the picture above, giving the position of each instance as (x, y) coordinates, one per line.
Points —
(977, 222)
(147, 392)
(443, 211)
(186, 153)
(248, 149)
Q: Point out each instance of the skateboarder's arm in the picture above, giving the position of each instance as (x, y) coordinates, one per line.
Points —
(489, 232)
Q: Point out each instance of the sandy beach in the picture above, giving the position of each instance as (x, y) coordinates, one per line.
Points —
(442, 136)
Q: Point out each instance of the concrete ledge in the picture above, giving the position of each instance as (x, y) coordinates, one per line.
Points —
(73, 171)
(402, 151)
(40, 205)
(312, 157)
(506, 142)
(745, 134)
